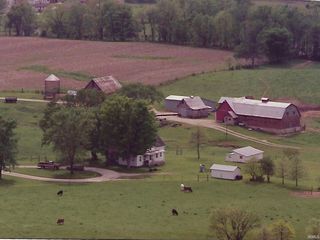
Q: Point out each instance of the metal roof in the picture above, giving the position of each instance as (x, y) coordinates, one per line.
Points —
(195, 103)
(176, 97)
(52, 78)
(226, 168)
(247, 151)
(251, 107)
(107, 84)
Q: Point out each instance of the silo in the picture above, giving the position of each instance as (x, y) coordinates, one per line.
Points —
(51, 86)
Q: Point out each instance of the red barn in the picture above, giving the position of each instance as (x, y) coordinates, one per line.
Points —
(107, 84)
(264, 115)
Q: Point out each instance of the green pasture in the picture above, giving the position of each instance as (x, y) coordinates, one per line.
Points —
(300, 84)
(142, 208)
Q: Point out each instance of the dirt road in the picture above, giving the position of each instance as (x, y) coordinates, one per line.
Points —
(209, 123)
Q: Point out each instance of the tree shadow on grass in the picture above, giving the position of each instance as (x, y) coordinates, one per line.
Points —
(7, 182)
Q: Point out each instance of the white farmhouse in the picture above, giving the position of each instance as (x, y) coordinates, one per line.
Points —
(153, 156)
(225, 171)
(244, 155)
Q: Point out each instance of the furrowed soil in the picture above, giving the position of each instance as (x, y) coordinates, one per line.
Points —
(26, 62)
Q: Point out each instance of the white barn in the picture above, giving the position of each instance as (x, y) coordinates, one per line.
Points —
(155, 156)
(225, 171)
(244, 154)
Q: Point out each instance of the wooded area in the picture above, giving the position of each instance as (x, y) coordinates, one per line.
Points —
(278, 32)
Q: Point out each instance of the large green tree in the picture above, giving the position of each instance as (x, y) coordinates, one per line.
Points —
(127, 127)
(8, 143)
(277, 43)
(22, 18)
(140, 91)
(68, 130)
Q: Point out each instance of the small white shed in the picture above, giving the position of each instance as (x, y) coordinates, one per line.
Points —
(244, 154)
(225, 171)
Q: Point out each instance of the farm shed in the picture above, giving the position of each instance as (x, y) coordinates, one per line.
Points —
(155, 156)
(244, 154)
(263, 115)
(225, 171)
(193, 107)
(171, 102)
(107, 84)
(51, 86)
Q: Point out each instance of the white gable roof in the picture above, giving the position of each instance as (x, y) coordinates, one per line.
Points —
(195, 103)
(52, 77)
(226, 168)
(251, 107)
(176, 97)
(247, 151)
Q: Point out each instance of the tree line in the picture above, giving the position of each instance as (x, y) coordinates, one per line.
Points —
(278, 32)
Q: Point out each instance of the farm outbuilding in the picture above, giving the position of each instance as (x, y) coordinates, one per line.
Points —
(225, 171)
(107, 84)
(264, 115)
(244, 155)
(193, 107)
(51, 86)
(171, 102)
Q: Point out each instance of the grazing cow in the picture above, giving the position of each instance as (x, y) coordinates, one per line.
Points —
(60, 221)
(174, 212)
(60, 193)
(187, 189)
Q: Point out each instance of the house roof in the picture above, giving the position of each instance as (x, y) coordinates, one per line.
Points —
(52, 78)
(195, 103)
(258, 108)
(247, 151)
(159, 142)
(176, 97)
(107, 84)
(226, 168)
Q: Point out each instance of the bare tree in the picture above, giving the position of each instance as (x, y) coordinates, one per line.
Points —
(296, 166)
(282, 230)
(282, 169)
(198, 138)
(232, 223)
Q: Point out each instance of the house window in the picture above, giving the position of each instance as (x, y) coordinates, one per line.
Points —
(156, 155)
(240, 157)
(161, 154)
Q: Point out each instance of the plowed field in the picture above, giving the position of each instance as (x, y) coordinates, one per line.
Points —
(25, 62)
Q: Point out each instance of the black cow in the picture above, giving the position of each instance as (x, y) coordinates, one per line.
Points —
(174, 212)
(60, 221)
(60, 193)
(187, 189)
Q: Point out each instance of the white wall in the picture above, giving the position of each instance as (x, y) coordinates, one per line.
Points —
(235, 157)
(225, 174)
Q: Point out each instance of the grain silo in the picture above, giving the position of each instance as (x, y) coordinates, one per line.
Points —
(51, 86)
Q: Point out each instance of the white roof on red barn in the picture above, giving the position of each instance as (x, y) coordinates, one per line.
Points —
(107, 84)
(247, 151)
(195, 103)
(52, 78)
(176, 97)
(226, 168)
(257, 108)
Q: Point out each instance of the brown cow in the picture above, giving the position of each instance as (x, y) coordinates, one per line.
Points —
(60, 221)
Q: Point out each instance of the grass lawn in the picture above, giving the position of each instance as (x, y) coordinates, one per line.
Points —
(22, 94)
(142, 208)
(61, 173)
